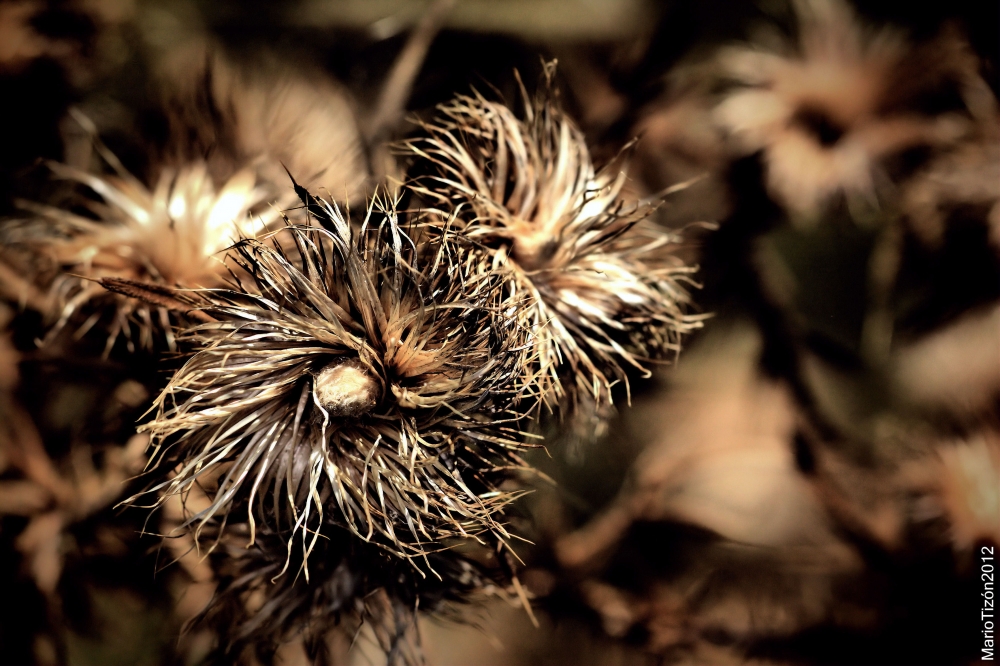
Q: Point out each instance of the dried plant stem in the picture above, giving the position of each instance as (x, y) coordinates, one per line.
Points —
(27, 452)
(396, 90)
(883, 269)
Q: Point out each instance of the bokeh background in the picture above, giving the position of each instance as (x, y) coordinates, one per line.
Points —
(808, 482)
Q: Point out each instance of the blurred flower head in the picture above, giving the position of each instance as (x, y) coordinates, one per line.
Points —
(168, 235)
(831, 110)
(258, 111)
(963, 480)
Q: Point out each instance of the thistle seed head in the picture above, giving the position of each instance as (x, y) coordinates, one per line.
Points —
(360, 377)
(255, 609)
(965, 485)
(168, 235)
(829, 110)
(604, 292)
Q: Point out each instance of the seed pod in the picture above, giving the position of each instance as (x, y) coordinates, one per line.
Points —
(362, 378)
(604, 293)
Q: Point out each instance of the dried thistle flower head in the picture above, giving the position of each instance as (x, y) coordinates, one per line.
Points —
(257, 610)
(829, 111)
(168, 235)
(361, 378)
(604, 293)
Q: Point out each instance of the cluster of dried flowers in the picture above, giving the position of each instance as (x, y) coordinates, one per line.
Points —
(340, 429)
(355, 397)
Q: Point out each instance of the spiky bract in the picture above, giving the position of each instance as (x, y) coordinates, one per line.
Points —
(169, 235)
(604, 292)
(417, 328)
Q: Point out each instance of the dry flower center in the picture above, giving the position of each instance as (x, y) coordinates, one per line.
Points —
(825, 129)
(345, 389)
(534, 249)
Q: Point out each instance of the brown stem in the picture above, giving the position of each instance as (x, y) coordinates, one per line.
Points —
(395, 92)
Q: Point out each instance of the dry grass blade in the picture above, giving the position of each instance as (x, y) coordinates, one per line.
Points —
(153, 294)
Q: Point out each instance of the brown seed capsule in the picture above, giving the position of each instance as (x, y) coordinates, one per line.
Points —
(345, 389)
